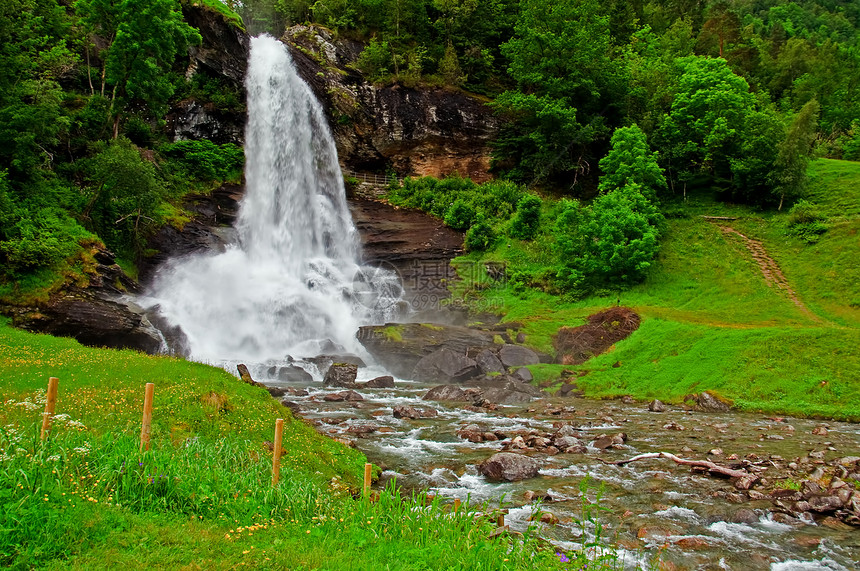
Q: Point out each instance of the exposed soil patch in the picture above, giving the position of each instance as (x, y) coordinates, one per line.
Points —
(773, 275)
(575, 345)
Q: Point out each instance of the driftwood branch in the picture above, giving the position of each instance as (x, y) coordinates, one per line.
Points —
(710, 466)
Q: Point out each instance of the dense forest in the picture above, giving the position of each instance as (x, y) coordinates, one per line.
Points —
(634, 103)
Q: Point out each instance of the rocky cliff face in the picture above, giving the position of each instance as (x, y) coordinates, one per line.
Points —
(427, 131)
(223, 54)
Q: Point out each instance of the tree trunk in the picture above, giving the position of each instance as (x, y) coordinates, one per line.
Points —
(89, 73)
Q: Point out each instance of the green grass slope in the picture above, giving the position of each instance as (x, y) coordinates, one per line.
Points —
(88, 498)
(711, 320)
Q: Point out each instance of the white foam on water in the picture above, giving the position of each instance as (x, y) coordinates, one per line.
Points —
(767, 523)
(824, 564)
(473, 487)
(676, 512)
(733, 533)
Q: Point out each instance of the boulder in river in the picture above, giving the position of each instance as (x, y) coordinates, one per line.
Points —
(656, 406)
(445, 365)
(509, 467)
(323, 362)
(524, 375)
(488, 362)
(399, 346)
(707, 402)
(349, 396)
(341, 375)
(289, 373)
(414, 412)
(448, 393)
(383, 382)
(517, 356)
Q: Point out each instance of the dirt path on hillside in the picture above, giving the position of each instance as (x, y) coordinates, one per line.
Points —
(773, 275)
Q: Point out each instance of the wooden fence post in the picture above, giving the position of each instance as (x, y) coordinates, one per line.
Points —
(367, 475)
(50, 406)
(276, 451)
(147, 416)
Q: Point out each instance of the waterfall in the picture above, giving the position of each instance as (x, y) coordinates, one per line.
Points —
(292, 283)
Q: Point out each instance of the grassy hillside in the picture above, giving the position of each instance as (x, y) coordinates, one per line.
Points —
(87, 498)
(711, 320)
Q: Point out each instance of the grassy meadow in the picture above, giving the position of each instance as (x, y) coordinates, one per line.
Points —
(710, 321)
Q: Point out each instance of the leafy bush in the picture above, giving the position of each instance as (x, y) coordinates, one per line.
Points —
(124, 195)
(804, 212)
(806, 222)
(39, 239)
(205, 161)
(526, 221)
(480, 236)
(375, 60)
(460, 215)
(495, 200)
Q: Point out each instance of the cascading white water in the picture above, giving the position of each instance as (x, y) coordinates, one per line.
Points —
(293, 280)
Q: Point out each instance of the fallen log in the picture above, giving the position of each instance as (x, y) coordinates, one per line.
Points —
(710, 466)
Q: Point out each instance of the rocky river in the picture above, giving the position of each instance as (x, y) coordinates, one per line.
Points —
(653, 509)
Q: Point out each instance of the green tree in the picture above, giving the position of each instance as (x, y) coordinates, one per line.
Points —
(631, 161)
(622, 234)
(793, 153)
(124, 194)
(526, 220)
(144, 37)
(704, 128)
(559, 58)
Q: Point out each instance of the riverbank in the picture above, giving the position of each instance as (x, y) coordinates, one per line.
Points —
(202, 497)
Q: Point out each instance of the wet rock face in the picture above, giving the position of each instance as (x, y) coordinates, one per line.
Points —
(418, 247)
(509, 467)
(193, 120)
(225, 47)
(445, 365)
(210, 230)
(419, 131)
(399, 347)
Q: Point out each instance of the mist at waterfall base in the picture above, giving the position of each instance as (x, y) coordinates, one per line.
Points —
(292, 284)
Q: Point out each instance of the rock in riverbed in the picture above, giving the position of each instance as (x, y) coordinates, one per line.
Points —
(508, 467)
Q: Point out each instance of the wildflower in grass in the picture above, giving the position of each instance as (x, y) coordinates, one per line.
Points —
(564, 558)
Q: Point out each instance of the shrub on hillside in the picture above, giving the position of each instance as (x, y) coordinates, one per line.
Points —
(526, 220)
(460, 215)
(480, 236)
(806, 222)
